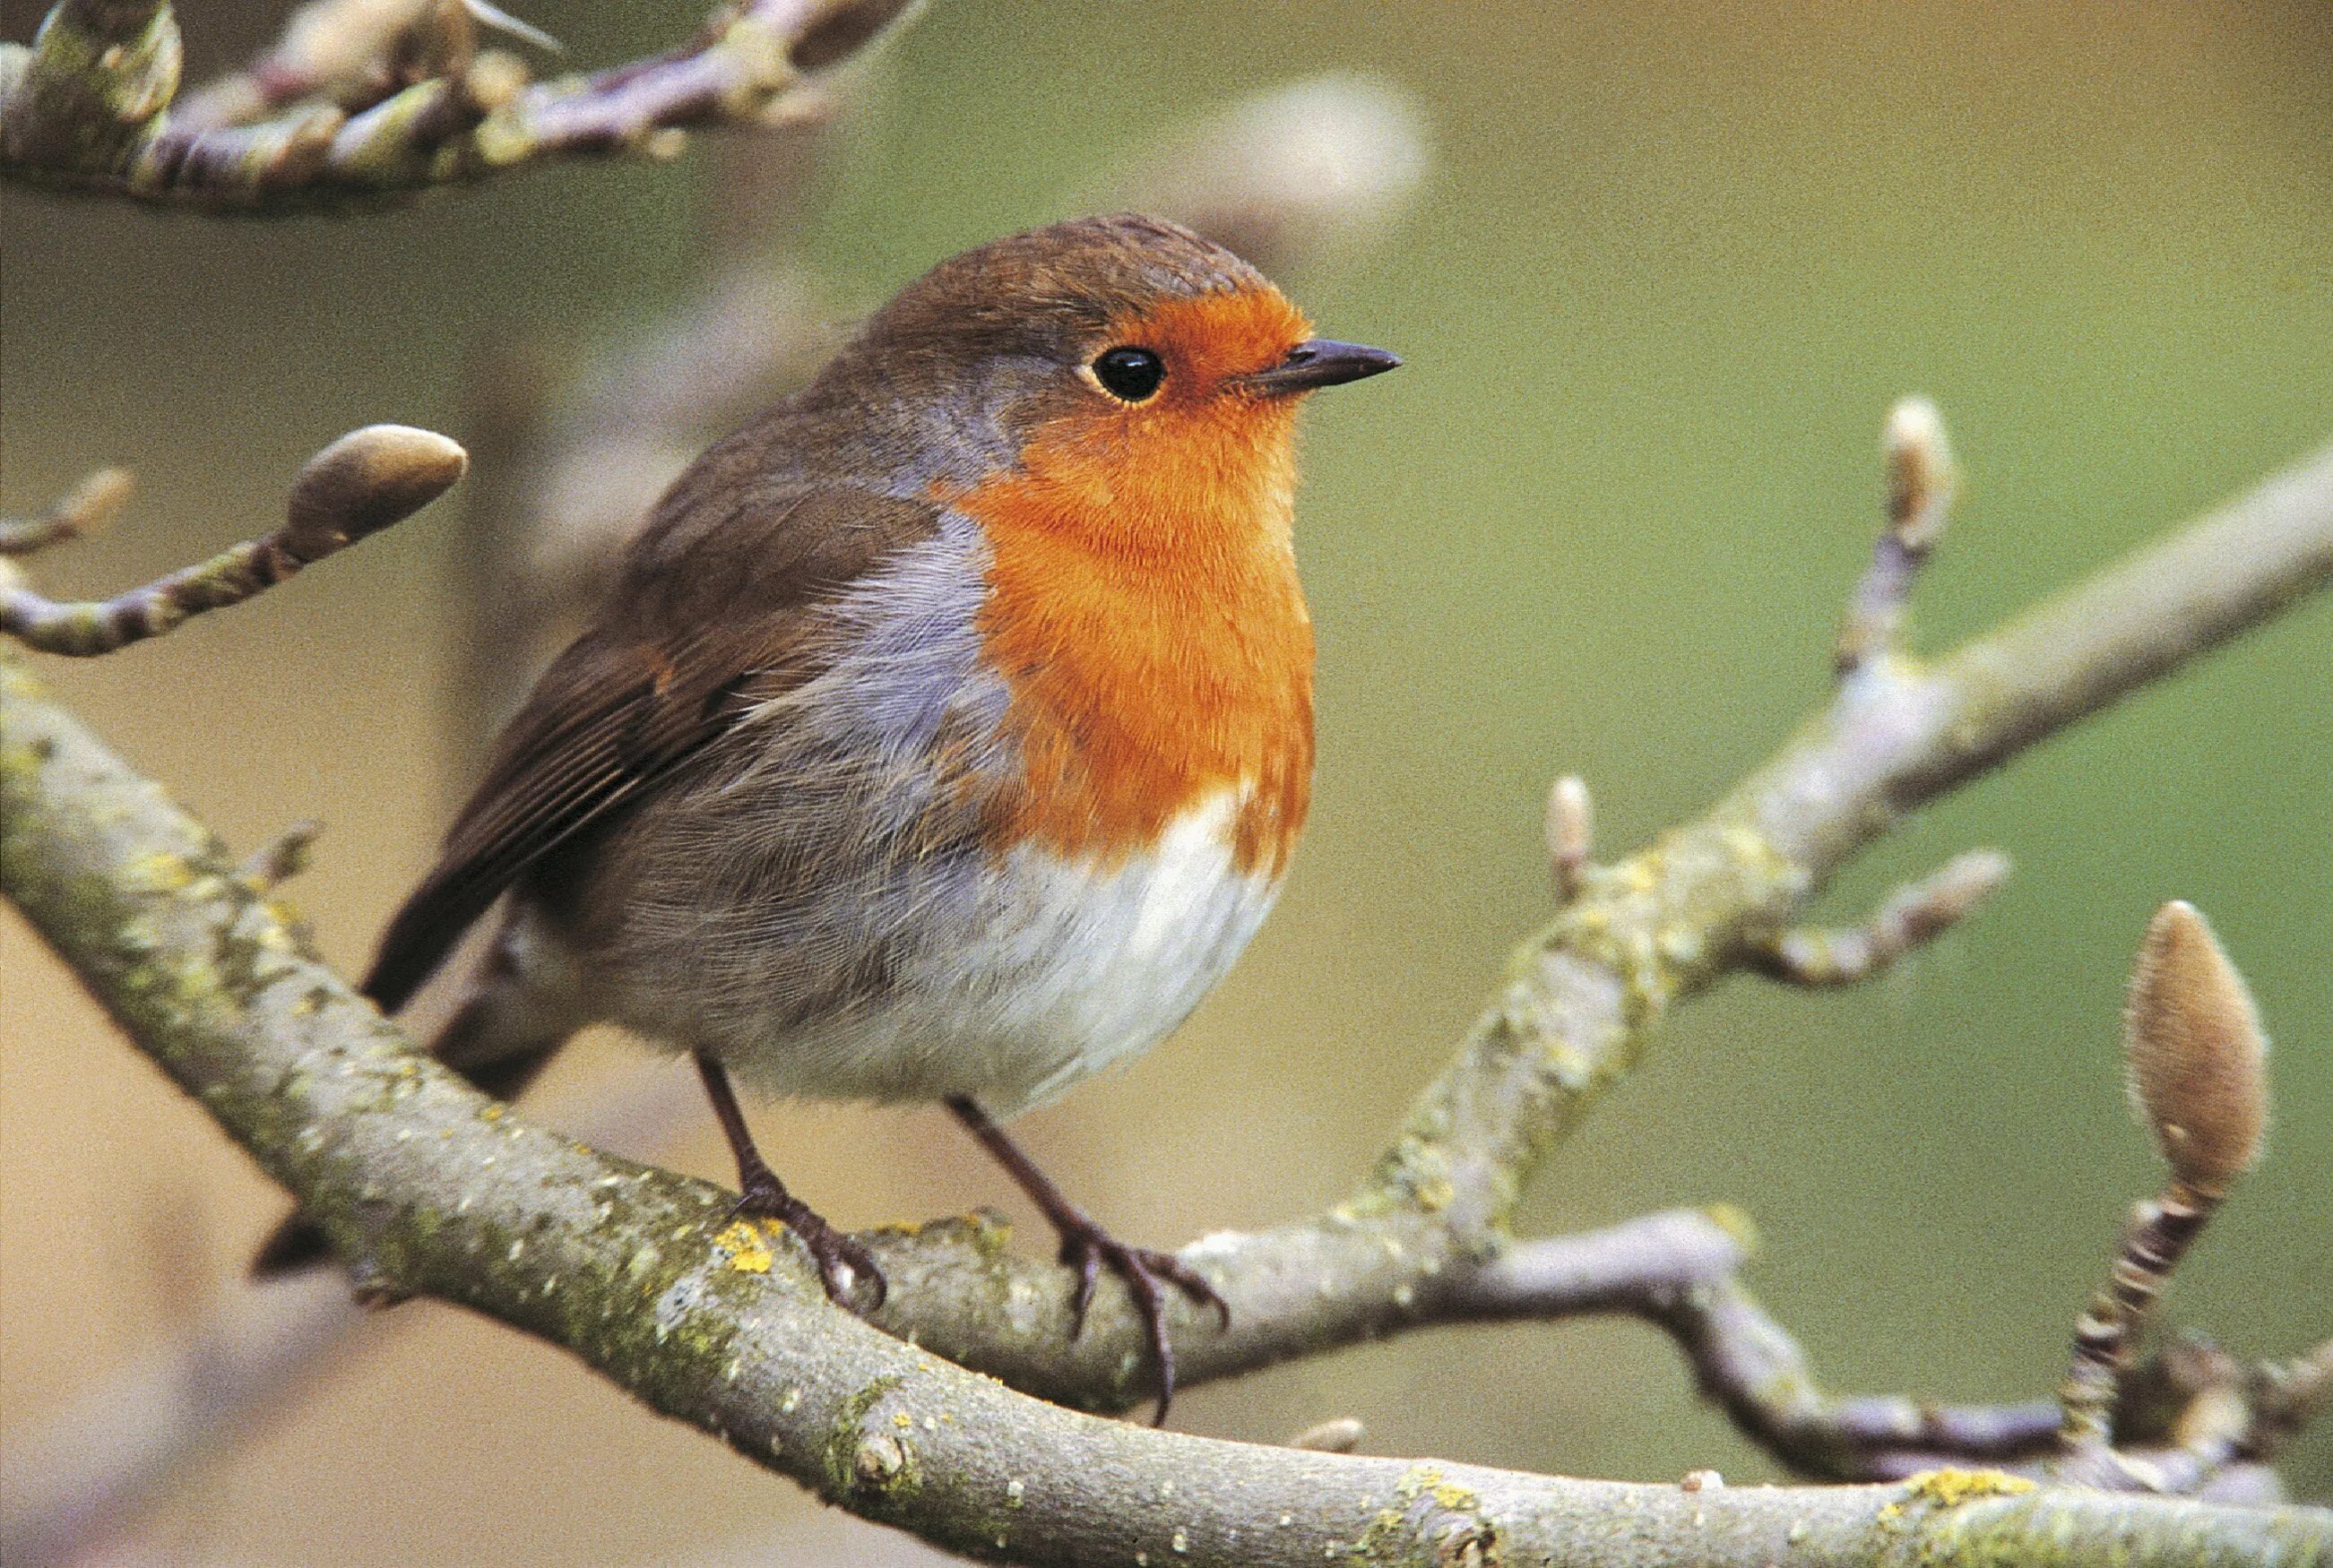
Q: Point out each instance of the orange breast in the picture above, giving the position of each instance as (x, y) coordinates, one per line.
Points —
(1146, 615)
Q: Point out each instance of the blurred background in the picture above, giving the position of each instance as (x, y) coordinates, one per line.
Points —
(1661, 273)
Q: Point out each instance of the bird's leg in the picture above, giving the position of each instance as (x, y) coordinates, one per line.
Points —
(1086, 1246)
(760, 1194)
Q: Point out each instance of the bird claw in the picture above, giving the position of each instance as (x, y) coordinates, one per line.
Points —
(842, 1259)
(1086, 1249)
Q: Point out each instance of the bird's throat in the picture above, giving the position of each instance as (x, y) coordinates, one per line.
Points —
(1145, 679)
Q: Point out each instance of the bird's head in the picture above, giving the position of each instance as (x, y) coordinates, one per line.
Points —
(1143, 381)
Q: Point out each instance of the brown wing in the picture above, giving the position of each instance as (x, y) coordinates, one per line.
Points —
(703, 609)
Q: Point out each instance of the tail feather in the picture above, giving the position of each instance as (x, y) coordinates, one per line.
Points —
(292, 1247)
(425, 931)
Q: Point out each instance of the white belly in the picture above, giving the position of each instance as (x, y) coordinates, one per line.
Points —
(1063, 969)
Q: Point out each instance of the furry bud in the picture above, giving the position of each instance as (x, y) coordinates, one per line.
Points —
(366, 481)
(2197, 1059)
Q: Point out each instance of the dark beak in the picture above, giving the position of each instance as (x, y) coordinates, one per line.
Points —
(1320, 362)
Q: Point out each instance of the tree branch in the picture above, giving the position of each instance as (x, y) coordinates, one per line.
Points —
(366, 102)
(433, 1189)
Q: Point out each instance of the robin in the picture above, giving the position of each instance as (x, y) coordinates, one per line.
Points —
(945, 735)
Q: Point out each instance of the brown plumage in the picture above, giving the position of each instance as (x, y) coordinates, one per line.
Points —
(947, 732)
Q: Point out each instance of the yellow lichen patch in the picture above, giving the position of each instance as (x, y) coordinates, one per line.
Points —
(1948, 1489)
(159, 872)
(1572, 1068)
(1736, 1222)
(748, 1253)
(1450, 1495)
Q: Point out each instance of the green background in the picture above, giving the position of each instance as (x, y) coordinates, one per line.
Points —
(1669, 267)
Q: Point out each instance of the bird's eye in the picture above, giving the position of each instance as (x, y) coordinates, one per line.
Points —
(1129, 373)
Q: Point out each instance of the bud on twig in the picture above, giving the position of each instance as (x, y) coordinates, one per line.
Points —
(1920, 475)
(363, 483)
(2197, 1059)
(1341, 1435)
(1918, 461)
(2198, 1074)
(360, 484)
(1570, 834)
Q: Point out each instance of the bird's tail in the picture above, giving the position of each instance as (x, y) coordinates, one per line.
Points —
(507, 1028)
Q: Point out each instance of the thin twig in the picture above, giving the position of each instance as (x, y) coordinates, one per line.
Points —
(281, 857)
(361, 484)
(1756, 1372)
(1914, 916)
(84, 509)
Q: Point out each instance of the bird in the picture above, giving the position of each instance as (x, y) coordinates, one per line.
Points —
(944, 736)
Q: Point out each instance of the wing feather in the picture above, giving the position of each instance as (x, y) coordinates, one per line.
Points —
(647, 686)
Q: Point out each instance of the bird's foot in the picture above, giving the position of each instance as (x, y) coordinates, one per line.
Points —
(842, 1260)
(1086, 1248)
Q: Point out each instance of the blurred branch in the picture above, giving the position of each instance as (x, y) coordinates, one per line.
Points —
(574, 470)
(369, 99)
(74, 1477)
(85, 509)
(368, 480)
(643, 1275)
(80, 1474)
(1290, 177)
